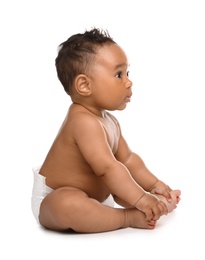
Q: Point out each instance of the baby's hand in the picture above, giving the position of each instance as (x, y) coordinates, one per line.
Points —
(162, 189)
(151, 206)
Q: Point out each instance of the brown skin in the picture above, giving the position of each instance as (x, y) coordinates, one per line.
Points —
(90, 159)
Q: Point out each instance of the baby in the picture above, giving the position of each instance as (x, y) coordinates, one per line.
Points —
(90, 168)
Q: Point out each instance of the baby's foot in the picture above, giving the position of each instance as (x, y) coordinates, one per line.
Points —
(175, 194)
(137, 219)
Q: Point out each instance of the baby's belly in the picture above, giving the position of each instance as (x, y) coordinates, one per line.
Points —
(93, 186)
(94, 189)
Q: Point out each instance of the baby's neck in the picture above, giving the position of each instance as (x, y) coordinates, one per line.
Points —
(95, 111)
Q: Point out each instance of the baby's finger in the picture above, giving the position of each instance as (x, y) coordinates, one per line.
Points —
(149, 214)
(163, 208)
(157, 211)
(167, 195)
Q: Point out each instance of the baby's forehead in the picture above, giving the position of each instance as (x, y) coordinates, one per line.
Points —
(112, 53)
(111, 47)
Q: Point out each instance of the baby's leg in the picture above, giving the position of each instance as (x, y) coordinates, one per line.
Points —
(175, 194)
(70, 208)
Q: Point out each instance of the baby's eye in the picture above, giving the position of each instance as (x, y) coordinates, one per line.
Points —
(119, 75)
(128, 73)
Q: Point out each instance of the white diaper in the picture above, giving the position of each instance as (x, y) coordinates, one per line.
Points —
(109, 201)
(41, 190)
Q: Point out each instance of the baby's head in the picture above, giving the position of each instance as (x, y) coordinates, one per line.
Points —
(76, 55)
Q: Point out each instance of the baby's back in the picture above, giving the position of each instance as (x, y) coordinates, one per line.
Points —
(65, 164)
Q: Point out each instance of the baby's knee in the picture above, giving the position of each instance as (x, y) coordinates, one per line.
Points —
(57, 208)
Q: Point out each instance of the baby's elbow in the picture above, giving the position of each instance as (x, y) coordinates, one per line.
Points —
(107, 170)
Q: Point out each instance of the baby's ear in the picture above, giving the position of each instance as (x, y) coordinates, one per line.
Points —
(82, 85)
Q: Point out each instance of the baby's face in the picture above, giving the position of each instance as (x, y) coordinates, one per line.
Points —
(111, 86)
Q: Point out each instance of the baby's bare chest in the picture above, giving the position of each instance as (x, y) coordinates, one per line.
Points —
(112, 133)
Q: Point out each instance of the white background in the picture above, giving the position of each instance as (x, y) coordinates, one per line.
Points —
(164, 123)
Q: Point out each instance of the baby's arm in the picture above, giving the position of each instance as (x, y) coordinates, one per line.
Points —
(140, 173)
(92, 141)
(121, 183)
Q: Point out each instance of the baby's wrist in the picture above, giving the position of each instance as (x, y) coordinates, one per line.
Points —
(153, 185)
(139, 199)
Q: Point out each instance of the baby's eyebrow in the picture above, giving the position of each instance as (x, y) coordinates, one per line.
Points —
(122, 65)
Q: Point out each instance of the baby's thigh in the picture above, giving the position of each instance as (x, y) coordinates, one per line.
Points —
(59, 207)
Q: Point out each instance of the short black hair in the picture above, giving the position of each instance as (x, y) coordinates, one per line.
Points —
(76, 53)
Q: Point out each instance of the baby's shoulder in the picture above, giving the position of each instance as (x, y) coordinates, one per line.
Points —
(81, 118)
